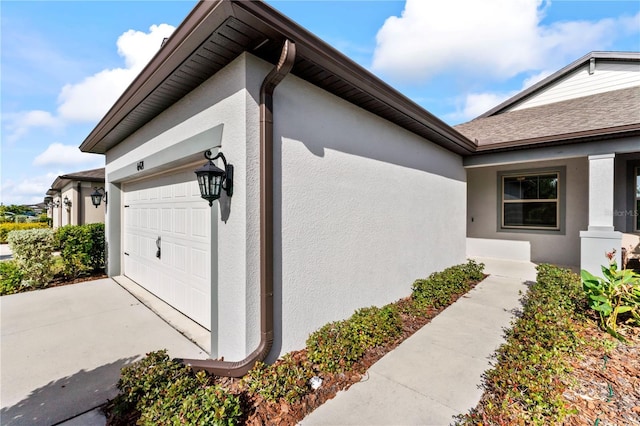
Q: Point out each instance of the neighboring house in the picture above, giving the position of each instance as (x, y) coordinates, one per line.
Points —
(69, 199)
(362, 192)
(556, 173)
(344, 191)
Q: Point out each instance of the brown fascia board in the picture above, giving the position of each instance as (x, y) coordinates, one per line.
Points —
(322, 54)
(208, 15)
(608, 56)
(564, 139)
(63, 180)
(184, 40)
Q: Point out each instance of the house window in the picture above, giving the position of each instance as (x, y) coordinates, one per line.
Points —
(531, 201)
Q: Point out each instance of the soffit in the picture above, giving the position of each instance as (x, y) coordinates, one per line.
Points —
(216, 33)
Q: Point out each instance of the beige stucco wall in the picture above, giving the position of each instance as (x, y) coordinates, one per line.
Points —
(81, 210)
(89, 213)
(553, 247)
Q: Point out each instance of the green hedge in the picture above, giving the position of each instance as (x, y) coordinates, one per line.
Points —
(338, 345)
(525, 386)
(10, 277)
(165, 392)
(81, 248)
(7, 227)
(32, 250)
(158, 390)
(439, 289)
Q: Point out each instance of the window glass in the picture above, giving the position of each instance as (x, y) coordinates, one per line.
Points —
(530, 201)
(530, 214)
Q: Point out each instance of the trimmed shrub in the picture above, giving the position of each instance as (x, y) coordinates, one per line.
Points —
(7, 227)
(10, 277)
(97, 251)
(81, 248)
(525, 386)
(191, 400)
(338, 345)
(142, 382)
(166, 392)
(32, 250)
(439, 289)
(288, 378)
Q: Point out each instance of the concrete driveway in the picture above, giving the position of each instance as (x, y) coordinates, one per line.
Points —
(63, 348)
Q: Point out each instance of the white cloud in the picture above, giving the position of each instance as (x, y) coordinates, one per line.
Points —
(58, 154)
(490, 39)
(27, 191)
(475, 104)
(20, 123)
(89, 99)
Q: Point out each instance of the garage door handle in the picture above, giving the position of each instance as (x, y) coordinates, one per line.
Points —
(126, 254)
(158, 241)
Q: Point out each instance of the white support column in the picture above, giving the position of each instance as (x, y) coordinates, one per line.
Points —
(600, 236)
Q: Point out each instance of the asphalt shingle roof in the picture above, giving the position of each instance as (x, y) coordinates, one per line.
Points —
(594, 113)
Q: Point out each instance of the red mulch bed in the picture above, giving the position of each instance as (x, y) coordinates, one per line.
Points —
(605, 385)
(261, 412)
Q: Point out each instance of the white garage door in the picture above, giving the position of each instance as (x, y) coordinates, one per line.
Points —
(167, 211)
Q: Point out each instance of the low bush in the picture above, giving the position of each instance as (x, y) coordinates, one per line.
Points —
(10, 277)
(97, 250)
(338, 345)
(81, 248)
(143, 382)
(525, 386)
(32, 250)
(158, 390)
(192, 400)
(287, 378)
(165, 392)
(438, 290)
(7, 227)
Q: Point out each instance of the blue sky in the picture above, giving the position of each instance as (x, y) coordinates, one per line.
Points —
(64, 63)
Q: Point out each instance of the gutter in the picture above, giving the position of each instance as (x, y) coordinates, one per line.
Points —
(240, 368)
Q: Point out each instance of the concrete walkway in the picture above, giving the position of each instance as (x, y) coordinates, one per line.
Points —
(63, 348)
(5, 252)
(436, 374)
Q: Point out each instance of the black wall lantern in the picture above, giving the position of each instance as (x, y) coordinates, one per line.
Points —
(67, 202)
(97, 195)
(212, 179)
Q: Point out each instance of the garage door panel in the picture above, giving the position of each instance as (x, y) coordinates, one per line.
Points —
(170, 207)
(180, 221)
(200, 223)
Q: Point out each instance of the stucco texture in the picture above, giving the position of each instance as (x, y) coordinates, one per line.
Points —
(362, 207)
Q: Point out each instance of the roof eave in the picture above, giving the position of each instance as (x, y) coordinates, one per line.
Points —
(609, 56)
(210, 14)
(563, 139)
(168, 57)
